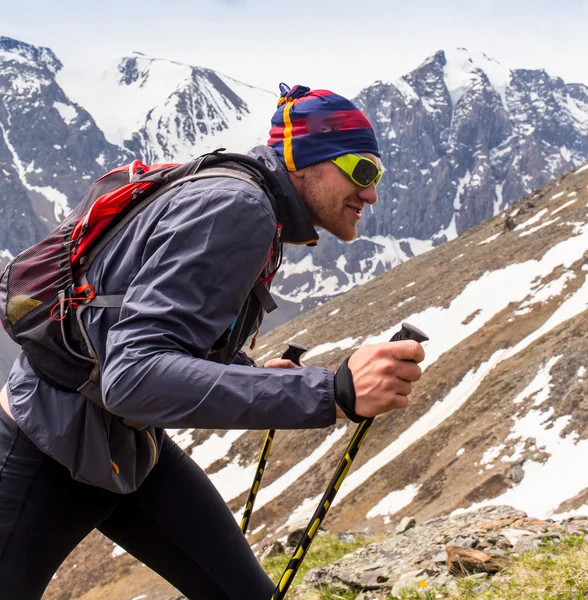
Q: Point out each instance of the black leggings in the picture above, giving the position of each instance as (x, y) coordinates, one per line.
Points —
(176, 523)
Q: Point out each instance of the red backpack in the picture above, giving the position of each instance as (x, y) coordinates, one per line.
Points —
(44, 290)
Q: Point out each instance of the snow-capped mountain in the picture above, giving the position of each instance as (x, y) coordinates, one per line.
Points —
(60, 129)
(462, 138)
(50, 147)
(163, 110)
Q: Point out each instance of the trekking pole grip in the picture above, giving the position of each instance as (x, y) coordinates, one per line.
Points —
(410, 332)
(294, 352)
(407, 332)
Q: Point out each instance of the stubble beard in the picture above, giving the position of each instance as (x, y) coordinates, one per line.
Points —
(327, 208)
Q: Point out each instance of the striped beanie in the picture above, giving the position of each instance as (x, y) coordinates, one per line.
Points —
(311, 126)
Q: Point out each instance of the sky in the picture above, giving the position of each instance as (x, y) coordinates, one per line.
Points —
(341, 45)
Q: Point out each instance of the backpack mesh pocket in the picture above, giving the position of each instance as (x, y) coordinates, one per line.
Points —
(29, 291)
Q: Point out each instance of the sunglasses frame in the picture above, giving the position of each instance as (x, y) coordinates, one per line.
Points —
(347, 163)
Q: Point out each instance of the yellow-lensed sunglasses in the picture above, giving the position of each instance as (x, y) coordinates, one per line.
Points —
(361, 170)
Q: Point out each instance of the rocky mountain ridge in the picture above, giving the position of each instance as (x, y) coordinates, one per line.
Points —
(462, 138)
(168, 111)
(50, 147)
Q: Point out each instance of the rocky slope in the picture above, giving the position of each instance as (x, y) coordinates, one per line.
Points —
(478, 545)
(499, 416)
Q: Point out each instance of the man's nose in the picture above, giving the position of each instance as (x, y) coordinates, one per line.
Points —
(368, 194)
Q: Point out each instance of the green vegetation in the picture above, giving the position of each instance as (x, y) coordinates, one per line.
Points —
(557, 571)
(325, 549)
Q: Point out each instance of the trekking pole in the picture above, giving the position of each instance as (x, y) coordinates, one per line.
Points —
(408, 332)
(294, 352)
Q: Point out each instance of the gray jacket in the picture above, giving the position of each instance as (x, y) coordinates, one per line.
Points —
(186, 265)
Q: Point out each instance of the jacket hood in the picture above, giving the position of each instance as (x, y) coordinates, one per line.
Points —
(297, 224)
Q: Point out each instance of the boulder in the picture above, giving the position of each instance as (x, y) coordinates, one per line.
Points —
(406, 524)
(466, 561)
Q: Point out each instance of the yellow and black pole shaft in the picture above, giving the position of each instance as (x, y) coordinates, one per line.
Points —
(263, 456)
(294, 352)
(408, 332)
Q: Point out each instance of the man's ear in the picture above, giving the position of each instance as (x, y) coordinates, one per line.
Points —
(297, 177)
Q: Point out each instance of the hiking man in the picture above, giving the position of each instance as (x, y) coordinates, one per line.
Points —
(170, 356)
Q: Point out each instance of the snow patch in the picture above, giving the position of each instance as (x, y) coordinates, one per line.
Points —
(565, 205)
(393, 502)
(540, 386)
(406, 90)
(302, 332)
(67, 111)
(499, 200)
(538, 227)
(343, 344)
(117, 551)
(490, 239)
(565, 153)
(214, 447)
(461, 71)
(184, 439)
(234, 479)
(492, 454)
(534, 219)
(258, 529)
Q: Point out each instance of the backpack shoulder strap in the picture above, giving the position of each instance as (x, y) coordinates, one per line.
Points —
(205, 173)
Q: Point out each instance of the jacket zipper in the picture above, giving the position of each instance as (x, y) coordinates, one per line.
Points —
(154, 448)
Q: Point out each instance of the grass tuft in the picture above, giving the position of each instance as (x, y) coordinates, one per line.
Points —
(326, 548)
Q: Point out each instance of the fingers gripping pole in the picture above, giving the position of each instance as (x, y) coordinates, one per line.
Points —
(408, 332)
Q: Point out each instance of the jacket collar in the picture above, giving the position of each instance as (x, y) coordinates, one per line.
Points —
(297, 225)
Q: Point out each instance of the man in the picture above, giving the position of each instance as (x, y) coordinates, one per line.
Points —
(186, 265)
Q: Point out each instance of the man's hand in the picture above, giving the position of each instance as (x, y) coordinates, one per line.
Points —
(383, 375)
(281, 363)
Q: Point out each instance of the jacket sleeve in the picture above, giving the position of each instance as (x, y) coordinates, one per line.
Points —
(198, 267)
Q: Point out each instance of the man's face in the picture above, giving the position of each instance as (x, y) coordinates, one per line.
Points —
(335, 203)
